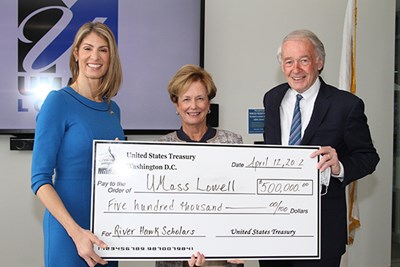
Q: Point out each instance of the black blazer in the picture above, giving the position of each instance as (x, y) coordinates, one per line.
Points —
(337, 120)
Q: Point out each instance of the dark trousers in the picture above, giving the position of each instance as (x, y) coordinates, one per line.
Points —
(333, 262)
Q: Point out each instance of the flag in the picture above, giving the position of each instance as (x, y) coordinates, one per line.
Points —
(347, 81)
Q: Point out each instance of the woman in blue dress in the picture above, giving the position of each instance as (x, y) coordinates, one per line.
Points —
(69, 120)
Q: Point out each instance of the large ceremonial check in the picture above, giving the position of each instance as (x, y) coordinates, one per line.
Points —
(153, 201)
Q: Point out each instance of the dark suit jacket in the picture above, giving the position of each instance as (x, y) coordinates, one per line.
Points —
(338, 120)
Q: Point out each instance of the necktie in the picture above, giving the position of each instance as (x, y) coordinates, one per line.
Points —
(295, 129)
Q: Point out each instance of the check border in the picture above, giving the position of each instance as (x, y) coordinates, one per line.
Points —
(122, 252)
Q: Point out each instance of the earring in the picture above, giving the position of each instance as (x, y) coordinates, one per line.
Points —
(209, 111)
(177, 113)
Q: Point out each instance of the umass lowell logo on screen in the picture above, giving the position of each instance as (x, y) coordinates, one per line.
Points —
(46, 30)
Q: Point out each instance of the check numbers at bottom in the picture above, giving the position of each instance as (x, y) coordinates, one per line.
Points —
(146, 248)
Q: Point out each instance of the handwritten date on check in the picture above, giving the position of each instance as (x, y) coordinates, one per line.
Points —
(153, 201)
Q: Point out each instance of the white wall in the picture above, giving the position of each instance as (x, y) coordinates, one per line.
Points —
(376, 85)
(240, 46)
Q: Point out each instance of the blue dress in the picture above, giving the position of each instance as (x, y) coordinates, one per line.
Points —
(65, 128)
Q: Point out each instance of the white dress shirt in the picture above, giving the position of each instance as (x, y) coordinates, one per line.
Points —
(306, 109)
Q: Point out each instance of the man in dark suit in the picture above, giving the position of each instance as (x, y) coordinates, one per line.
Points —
(328, 117)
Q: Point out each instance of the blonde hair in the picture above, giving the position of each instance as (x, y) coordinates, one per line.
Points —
(185, 76)
(112, 80)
